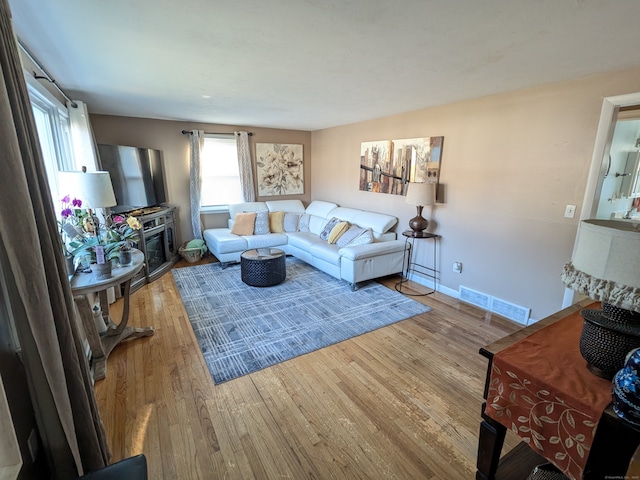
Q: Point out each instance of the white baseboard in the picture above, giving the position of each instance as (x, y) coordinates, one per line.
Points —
(427, 282)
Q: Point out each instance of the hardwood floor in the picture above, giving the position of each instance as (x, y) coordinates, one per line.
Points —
(402, 402)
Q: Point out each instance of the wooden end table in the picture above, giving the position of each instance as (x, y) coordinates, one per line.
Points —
(101, 345)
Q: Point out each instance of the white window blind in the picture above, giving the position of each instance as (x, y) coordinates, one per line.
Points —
(219, 171)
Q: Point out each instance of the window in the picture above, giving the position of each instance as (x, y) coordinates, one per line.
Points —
(219, 172)
(52, 123)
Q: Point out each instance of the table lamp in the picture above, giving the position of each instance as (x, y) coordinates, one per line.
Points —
(94, 189)
(606, 266)
(420, 195)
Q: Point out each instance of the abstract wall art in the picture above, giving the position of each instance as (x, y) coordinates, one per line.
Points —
(387, 166)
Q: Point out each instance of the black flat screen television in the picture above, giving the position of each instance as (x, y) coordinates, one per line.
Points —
(136, 174)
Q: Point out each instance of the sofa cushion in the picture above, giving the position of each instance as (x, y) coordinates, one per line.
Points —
(221, 240)
(378, 222)
(326, 230)
(261, 226)
(316, 224)
(375, 249)
(337, 232)
(320, 208)
(303, 240)
(263, 241)
(293, 206)
(325, 252)
(291, 221)
(246, 207)
(243, 223)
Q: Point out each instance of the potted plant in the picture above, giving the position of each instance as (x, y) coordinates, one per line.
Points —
(112, 241)
(122, 234)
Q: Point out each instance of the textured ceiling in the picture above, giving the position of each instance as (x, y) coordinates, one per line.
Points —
(313, 64)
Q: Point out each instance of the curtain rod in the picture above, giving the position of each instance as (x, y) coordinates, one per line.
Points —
(188, 132)
(46, 75)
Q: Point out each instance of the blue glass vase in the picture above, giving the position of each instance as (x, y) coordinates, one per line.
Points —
(626, 389)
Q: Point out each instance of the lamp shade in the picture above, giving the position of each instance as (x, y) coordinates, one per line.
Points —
(93, 188)
(421, 194)
(606, 263)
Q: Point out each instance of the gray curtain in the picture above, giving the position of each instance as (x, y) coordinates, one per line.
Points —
(33, 270)
(245, 168)
(196, 142)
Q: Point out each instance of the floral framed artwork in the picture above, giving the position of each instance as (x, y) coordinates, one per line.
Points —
(280, 169)
(387, 166)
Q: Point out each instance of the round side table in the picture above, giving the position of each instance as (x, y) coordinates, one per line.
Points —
(263, 267)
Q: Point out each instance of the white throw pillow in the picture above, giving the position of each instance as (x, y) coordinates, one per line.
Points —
(291, 222)
(303, 223)
(355, 236)
(363, 239)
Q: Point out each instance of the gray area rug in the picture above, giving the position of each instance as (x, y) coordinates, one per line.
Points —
(242, 329)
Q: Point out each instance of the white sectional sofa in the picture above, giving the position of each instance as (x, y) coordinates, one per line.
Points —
(353, 262)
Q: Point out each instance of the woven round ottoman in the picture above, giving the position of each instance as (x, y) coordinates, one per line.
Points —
(263, 267)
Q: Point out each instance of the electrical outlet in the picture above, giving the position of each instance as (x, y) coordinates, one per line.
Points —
(457, 267)
(570, 211)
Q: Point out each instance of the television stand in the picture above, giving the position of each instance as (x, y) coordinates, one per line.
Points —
(146, 211)
(158, 242)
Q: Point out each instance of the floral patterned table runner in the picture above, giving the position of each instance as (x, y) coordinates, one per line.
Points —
(541, 389)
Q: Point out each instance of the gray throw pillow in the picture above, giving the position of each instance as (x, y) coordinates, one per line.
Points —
(324, 234)
(262, 223)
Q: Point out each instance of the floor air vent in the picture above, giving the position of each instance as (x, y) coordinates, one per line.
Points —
(473, 297)
(510, 310)
(492, 304)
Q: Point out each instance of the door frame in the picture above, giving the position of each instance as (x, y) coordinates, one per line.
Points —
(606, 126)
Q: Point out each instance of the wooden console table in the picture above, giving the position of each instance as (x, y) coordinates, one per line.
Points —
(101, 345)
(611, 450)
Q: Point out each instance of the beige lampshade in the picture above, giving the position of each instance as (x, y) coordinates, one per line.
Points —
(421, 194)
(93, 188)
(606, 263)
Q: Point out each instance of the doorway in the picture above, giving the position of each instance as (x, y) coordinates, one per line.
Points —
(618, 198)
(611, 107)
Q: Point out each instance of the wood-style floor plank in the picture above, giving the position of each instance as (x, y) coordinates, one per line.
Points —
(401, 402)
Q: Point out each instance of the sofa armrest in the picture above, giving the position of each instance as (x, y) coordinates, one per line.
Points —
(372, 249)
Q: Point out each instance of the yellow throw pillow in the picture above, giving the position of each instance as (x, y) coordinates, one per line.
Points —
(243, 223)
(338, 231)
(276, 222)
